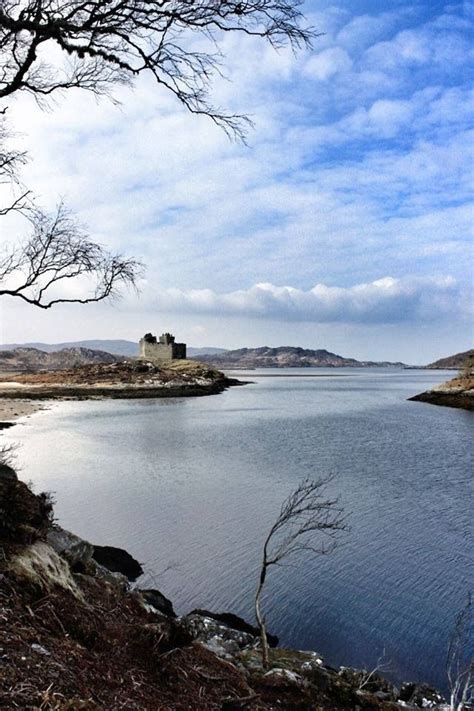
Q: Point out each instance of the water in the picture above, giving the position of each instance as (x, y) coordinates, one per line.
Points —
(191, 486)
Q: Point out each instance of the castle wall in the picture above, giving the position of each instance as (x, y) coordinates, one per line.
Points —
(179, 350)
(161, 352)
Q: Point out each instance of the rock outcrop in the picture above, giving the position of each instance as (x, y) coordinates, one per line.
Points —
(228, 619)
(117, 560)
(458, 392)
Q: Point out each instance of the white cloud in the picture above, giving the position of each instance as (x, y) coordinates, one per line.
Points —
(325, 64)
(363, 30)
(359, 166)
(385, 300)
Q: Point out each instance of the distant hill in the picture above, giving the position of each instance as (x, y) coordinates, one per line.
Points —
(286, 357)
(193, 352)
(28, 359)
(453, 362)
(120, 347)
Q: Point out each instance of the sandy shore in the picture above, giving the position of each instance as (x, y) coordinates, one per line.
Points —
(11, 410)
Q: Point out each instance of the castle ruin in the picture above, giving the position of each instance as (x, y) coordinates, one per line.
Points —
(162, 350)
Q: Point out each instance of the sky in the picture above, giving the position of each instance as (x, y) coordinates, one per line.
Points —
(345, 223)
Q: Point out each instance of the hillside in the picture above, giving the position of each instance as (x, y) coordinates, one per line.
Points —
(119, 347)
(453, 362)
(285, 357)
(28, 359)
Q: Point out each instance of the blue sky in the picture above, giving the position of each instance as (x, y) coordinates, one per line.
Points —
(346, 223)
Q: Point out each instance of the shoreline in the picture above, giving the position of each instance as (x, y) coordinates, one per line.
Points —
(14, 409)
(112, 381)
(457, 393)
(285, 662)
(113, 391)
(19, 401)
(86, 617)
(459, 399)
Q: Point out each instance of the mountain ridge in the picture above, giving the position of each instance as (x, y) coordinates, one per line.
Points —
(25, 358)
(118, 346)
(262, 356)
(287, 357)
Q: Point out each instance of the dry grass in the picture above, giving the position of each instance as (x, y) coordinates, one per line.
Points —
(108, 653)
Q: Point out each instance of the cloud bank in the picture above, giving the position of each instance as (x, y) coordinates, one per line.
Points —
(384, 301)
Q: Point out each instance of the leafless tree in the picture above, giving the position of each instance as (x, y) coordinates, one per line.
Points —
(48, 46)
(110, 42)
(57, 252)
(460, 661)
(55, 248)
(382, 665)
(309, 522)
(10, 163)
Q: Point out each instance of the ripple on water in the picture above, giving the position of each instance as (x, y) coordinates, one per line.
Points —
(194, 484)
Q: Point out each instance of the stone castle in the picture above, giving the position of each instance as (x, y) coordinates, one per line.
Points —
(162, 350)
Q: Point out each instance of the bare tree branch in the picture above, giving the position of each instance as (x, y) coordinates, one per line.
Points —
(309, 522)
(110, 42)
(460, 661)
(8, 454)
(367, 675)
(104, 43)
(57, 252)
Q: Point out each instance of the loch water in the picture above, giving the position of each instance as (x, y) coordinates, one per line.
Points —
(190, 487)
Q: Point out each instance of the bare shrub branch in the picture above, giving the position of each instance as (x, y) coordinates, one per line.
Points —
(382, 665)
(460, 661)
(309, 521)
(8, 454)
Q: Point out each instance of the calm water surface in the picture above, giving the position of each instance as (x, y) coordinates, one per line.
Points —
(190, 487)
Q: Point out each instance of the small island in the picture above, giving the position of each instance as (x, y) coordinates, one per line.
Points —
(160, 370)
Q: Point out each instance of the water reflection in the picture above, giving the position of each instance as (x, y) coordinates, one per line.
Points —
(195, 483)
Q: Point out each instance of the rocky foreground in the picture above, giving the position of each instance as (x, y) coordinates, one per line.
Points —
(75, 634)
(458, 392)
(124, 379)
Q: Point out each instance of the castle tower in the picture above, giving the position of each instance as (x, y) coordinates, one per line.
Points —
(162, 350)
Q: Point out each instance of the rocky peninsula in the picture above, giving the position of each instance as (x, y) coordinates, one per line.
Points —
(119, 379)
(458, 392)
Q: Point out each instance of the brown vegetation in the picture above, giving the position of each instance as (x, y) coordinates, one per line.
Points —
(453, 362)
(131, 378)
(85, 640)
